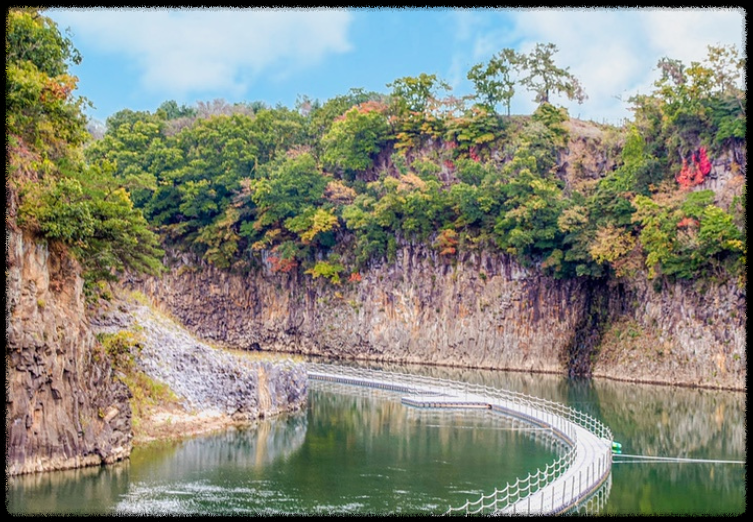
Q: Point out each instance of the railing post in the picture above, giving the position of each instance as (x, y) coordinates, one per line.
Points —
(572, 489)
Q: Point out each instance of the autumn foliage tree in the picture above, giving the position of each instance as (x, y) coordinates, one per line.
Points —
(447, 242)
(61, 198)
(695, 172)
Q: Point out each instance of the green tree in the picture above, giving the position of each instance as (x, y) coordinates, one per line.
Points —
(493, 81)
(96, 219)
(42, 115)
(330, 270)
(286, 194)
(544, 77)
(692, 105)
(320, 117)
(413, 101)
(127, 149)
(353, 140)
(85, 208)
(170, 110)
(413, 93)
(527, 225)
(687, 236)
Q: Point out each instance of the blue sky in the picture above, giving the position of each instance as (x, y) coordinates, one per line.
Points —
(138, 58)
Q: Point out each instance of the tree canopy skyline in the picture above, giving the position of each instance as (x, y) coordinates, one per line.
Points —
(139, 58)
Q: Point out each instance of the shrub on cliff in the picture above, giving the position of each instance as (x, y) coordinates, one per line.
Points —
(61, 198)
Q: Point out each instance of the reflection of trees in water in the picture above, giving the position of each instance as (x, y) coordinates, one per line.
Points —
(465, 440)
(429, 456)
(647, 420)
(690, 488)
(85, 490)
(661, 420)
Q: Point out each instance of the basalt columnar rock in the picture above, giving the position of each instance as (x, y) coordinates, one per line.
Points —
(63, 407)
(485, 312)
(682, 333)
(482, 311)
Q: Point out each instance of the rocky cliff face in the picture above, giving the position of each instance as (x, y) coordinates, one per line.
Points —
(206, 379)
(484, 312)
(63, 407)
(684, 333)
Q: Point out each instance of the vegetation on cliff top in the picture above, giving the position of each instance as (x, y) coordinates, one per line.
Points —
(58, 195)
(328, 188)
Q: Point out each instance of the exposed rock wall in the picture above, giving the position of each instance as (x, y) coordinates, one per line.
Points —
(485, 312)
(683, 333)
(63, 408)
(207, 379)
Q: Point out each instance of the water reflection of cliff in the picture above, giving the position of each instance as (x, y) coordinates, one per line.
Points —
(153, 473)
(359, 450)
(373, 413)
(91, 490)
(428, 459)
(660, 420)
(675, 421)
(370, 418)
(648, 420)
(237, 449)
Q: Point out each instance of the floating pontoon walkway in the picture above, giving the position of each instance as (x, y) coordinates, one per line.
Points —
(558, 488)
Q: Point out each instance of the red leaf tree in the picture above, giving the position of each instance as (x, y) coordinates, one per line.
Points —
(695, 172)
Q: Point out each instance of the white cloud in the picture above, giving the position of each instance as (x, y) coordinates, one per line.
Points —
(612, 51)
(685, 33)
(466, 22)
(179, 51)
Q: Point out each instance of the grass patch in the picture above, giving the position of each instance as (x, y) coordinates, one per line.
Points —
(146, 393)
(139, 297)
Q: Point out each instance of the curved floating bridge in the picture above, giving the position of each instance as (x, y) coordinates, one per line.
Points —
(561, 486)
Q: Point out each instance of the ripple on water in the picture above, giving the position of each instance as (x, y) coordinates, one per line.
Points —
(197, 497)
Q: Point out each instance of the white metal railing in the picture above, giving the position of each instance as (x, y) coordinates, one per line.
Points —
(563, 421)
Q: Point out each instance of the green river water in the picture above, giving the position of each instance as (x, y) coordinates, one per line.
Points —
(358, 451)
